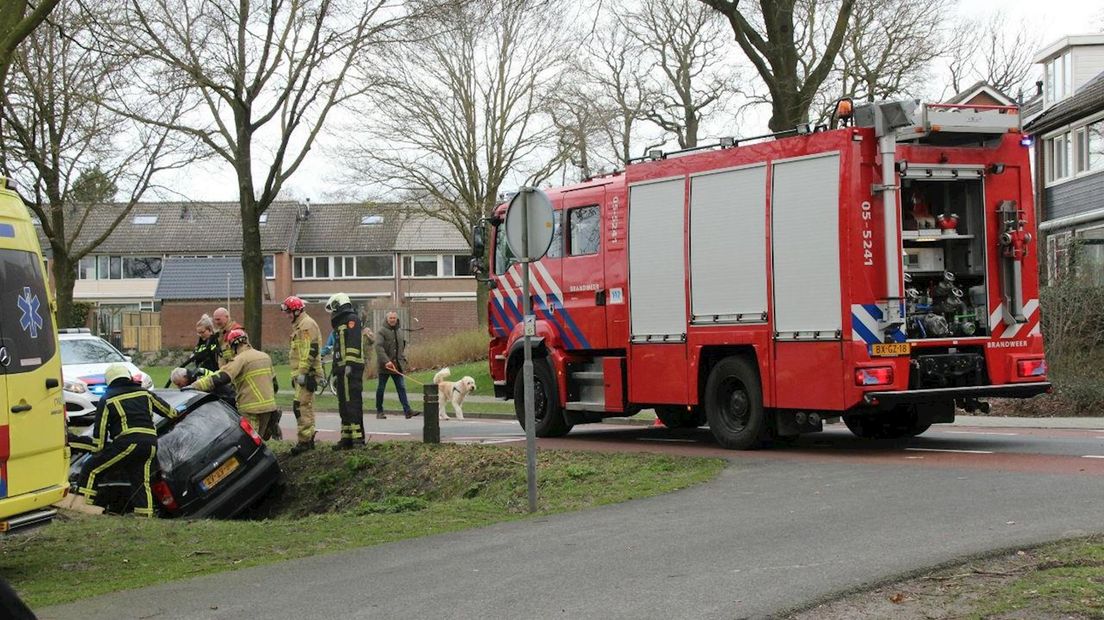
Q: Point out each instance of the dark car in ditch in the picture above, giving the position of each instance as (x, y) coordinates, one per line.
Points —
(212, 463)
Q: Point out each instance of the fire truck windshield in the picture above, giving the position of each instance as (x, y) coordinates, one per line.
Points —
(503, 256)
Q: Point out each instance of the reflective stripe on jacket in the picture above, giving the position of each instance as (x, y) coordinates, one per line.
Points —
(347, 345)
(123, 410)
(251, 373)
(305, 340)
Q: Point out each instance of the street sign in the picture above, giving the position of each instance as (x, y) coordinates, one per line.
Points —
(537, 217)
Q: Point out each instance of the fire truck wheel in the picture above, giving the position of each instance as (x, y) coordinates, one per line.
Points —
(549, 416)
(734, 404)
(674, 416)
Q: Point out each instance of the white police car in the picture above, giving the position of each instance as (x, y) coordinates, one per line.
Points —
(84, 358)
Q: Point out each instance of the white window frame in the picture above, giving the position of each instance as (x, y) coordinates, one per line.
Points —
(1049, 143)
(442, 260)
(273, 257)
(301, 263)
(424, 259)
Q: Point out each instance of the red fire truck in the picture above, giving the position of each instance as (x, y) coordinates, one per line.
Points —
(883, 272)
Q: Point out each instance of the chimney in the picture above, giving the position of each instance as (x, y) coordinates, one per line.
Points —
(1038, 88)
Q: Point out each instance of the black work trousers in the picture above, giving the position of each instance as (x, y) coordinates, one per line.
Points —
(132, 456)
(350, 401)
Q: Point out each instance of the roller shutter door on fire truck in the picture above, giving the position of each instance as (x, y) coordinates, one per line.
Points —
(806, 248)
(657, 263)
(728, 247)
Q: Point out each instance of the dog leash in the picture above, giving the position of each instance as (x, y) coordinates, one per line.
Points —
(406, 377)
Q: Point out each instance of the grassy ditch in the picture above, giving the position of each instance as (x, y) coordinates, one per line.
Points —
(333, 501)
(1061, 580)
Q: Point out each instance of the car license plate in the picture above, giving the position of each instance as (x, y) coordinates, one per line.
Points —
(220, 474)
(890, 349)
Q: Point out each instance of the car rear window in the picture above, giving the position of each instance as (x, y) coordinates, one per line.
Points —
(88, 351)
(193, 441)
(26, 326)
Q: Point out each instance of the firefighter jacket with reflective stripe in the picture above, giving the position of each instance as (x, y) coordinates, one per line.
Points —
(206, 353)
(347, 344)
(305, 341)
(251, 373)
(123, 411)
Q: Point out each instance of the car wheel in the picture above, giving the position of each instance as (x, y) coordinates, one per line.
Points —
(675, 416)
(734, 404)
(550, 421)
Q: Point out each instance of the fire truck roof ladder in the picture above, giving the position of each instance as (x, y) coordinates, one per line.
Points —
(728, 142)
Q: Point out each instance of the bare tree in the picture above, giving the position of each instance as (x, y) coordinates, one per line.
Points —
(581, 123)
(466, 105)
(261, 77)
(992, 51)
(686, 45)
(16, 24)
(61, 143)
(617, 71)
(781, 39)
(887, 52)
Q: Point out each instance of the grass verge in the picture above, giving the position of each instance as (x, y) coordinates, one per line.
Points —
(333, 501)
(1060, 580)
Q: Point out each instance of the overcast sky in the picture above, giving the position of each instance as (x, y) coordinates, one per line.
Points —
(1051, 19)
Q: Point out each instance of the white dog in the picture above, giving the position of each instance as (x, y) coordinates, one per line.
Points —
(452, 391)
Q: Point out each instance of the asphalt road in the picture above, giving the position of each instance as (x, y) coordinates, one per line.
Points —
(778, 529)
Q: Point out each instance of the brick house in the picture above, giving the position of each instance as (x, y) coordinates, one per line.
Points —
(183, 259)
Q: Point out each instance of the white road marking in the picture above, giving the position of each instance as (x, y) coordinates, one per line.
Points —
(946, 450)
(1093, 456)
(662, 439)
(384, 433)
(979, 433)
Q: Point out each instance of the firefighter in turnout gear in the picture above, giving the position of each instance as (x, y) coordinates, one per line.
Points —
(348, 369)
(306, 367)
(123, 436)
(250, 371)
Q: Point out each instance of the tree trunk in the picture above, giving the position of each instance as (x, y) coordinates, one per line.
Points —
(65, 277)
(251, 260)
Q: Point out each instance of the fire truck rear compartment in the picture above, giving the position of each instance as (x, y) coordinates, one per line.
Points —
(944, 254)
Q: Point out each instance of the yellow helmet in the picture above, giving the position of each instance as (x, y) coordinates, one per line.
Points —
(336, 301)
(116, 371)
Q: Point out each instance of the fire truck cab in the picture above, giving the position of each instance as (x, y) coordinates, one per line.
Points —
(883, 272)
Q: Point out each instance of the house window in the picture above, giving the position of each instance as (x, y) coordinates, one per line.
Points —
(1059, 153)
(311, 268)
(269, 267)
(86, 270)
(1058, 256)
(421, 266)
(585, 231)
(457, 265)
(375, 267)
(1092, 150)
(1089, 261)
(1059, 78)
(144, 220)
(263, 219)
(370, 220)
(141, 267)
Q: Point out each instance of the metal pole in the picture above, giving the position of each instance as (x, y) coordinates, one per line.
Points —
(527, 366)
(431, 425)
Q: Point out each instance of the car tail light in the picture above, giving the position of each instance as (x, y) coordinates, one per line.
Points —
(1031, 368)
(874, 376)
(164, 495)
(248, 428)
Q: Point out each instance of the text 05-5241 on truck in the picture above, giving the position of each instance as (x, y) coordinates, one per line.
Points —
(883, 271)
(33, 460)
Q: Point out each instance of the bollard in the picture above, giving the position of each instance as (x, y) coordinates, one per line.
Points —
(431, 425)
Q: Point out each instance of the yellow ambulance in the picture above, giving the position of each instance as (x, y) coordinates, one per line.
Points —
(33, 464)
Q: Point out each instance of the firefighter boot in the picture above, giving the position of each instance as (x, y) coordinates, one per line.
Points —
(302, 446)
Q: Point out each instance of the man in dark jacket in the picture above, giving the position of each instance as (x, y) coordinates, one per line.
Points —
(348, 370)
(391, 360)
(123, 437)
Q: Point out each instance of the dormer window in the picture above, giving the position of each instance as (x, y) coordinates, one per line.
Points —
(143, 220)
(368, 220)
(263, 219)
(1059, 77)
